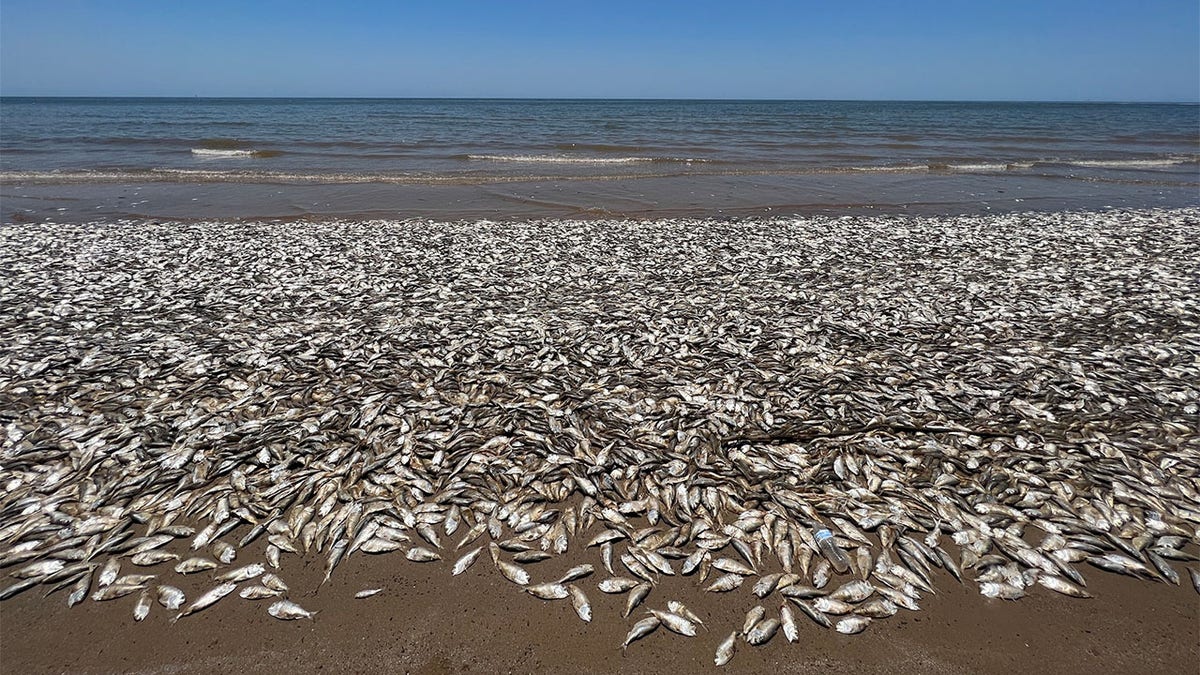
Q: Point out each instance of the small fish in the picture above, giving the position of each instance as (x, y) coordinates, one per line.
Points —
(109, 572)
(725, 583)
(289, 611)
(257, 592)
(579, 602)
(141, 610)
(725, 649)
(577, 572)
(676, 607)
(1195, 575)
(366, 593)
(636, 595)
(530, 557)
(811, 612)
(733, 567)
(762, 633)
(675, 623)
(801, 592)
(79, 590)
(831, 606)
(464, 563)
(148, 558)
(617, 584)
(240, 574)
(764, 586)
(115, 591)
(853, 624)
(193, 565)
(752, 618)
(877, 608)
(421, 554)
(641, 629)
(273, 582)
(170, 597)
(548, 591)
(787, 621)
(1063, 586)
(224, 551)
(513, 573)
(207, 600)
(42, 568)
(854, 591)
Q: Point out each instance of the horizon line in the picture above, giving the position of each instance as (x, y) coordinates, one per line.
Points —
(603, 98)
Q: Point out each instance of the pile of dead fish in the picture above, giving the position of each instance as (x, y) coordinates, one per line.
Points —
(1003, 400)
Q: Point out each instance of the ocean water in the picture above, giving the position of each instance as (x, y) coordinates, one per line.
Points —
(604, 156)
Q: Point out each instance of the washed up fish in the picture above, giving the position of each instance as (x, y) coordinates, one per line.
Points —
(548, 591)
(142, 608)
(579, 601)
(207, 600)
(170, 597)
(636, 595)
(464, 563)
(115, 591)
(763, 631)
(148, 558)
(675, 623)
(420, 554)
(853, 624)
(854, 591)
(513, 573)
(726, 583)
(241, 574)
(676, 607)
(257, 592)
(273, 582)
(289, 611)
(753, 616)
(726, 649)
(577, 572)
(787, 621)
(367, 592)
(193, 565)
(641, 629)
(618, 584)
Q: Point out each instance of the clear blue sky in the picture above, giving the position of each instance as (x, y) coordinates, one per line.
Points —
(1147, 50)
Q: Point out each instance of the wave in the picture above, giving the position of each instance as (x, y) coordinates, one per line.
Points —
(214, 152)
(1131, 163)
(562, 159)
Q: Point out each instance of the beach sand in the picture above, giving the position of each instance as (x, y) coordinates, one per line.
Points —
(1003, 302)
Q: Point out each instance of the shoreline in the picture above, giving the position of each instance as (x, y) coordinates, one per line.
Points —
(1011, 390)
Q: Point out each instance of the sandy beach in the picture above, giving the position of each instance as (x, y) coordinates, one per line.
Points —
(1010, 399)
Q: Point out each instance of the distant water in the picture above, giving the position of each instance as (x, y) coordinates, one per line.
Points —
(481, 142)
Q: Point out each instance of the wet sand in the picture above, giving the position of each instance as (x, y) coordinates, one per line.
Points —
(427, 622)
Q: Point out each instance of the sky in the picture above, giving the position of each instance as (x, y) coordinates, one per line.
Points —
(1060, 50)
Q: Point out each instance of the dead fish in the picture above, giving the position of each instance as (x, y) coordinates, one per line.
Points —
(854, 591)
(109, 572)
(764, 586)
(378, 545)
(530, 557)
(207, 600)
(579, 602)
(193, 565)
(726, 649)
(42, 568)
(513, 573)
(273, 582)
(753, 616)
(617, 584)
(464, 563)
(368, 592)
(577, 572)
(148, 558)
(676, 607)
(289, 611)
(115, 591)
(548, 591)
(19, 587)
(240, 574)
(811, 612)
(170, 597)
(831, 606)
(877, 608)
(733, 567)
(641, 629)
(636, 595)
(223, 551)
(787, 621)
(79, 590)
(141, 609)
(1195, 575)
(1062, 586)
(997, 589)
(725, 583)
(853, 624)
(675, 623)
(257, 592)
(420, 554)
(762, 633)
